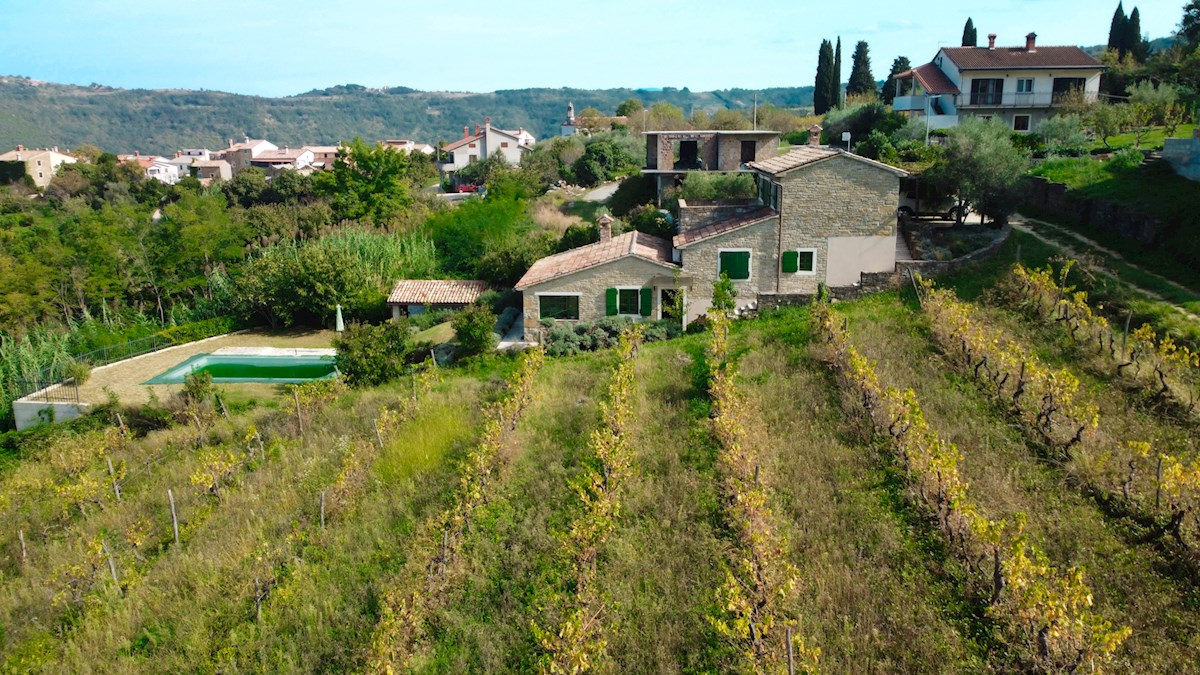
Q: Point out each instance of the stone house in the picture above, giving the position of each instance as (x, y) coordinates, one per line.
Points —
(824, 217)
(239, 154)
(670, 155)
(39, 164)
(414, 296)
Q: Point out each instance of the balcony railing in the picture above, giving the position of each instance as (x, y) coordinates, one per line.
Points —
(1016, 100)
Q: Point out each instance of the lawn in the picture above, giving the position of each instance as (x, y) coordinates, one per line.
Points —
(1151, 140)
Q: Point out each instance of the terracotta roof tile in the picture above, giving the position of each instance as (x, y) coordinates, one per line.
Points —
(462, 141)
(974, 58)
(721, 227)
(436, 292)
(808, 154)
(932, 79)
(637, 244)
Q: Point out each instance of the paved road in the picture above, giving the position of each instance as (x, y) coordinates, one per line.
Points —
(602, 193)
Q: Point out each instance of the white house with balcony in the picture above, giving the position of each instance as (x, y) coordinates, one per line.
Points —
(1020, 85)
(486, 141)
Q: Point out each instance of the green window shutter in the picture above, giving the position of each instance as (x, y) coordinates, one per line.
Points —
(610, 302)
(791, 261)
(736, 264)
(808, 261)
(647, 301)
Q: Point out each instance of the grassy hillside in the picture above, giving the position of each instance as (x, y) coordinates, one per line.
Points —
(453, 524)
(162, 121)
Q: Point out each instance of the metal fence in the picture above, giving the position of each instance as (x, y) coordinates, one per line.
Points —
(50, 391)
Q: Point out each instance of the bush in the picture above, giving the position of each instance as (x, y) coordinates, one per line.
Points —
(429, 318)
(505, 263)
(860, 121)
(632, 193)
(197, 386)
(1063, 135)
(1124, 160)
(653, 221)
(565, 339)
(713, 186)
(473, 329)
(370, 355)
(200, 330)
(578, 235)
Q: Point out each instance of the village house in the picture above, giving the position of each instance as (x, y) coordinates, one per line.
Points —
(486, 141)
(588, 123)
(1019, 85)
(39, 164)
(406, 146)
(414, 296)
(159, 168)
(824, 217)
(239, 154)
(274, 161)
(209, 170)
(323, 156)
(671, 155)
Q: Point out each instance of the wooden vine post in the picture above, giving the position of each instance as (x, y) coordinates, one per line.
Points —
(174, 517)
(113, 474)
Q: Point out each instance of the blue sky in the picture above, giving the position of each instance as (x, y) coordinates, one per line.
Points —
(281, 47)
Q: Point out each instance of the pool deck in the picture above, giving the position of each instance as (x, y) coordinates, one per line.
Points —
(125, 378)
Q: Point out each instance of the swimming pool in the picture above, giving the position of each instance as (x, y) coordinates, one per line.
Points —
(233, 368)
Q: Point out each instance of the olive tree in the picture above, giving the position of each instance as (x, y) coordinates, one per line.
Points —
(982, 167)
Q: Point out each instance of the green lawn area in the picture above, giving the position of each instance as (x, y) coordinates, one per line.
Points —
(1152, 139)
(441, 333)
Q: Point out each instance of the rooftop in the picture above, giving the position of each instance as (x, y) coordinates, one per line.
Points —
(932, 79)
(983, 58)
(436, 292)
(715, 132)
(637, 244)
(684, 239)
(808, 154)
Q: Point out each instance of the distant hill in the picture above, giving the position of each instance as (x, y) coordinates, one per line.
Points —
(161, 121)
(1156, 45)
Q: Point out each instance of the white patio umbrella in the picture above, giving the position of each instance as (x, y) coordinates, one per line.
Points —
(339, 325)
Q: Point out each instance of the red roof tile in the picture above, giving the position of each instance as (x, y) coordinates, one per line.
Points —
(722, 227)
(810, 154)
(436, 292)
(976, 58)
(636, 244)
(931, 78)
(461, 142)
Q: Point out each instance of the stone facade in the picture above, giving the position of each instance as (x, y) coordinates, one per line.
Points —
(591, 285)
(700, 262)
(1057, 200)
(715, 150)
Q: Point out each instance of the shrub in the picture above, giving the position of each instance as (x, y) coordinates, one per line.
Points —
(1063, 135)
(711, 186)
(200, 330)
(578, 235)
(1124, 160)
(370, 355)
(565, 339)
(632, 193)
(473, 329)
(197, 386)
(653, 221)
(429, 318)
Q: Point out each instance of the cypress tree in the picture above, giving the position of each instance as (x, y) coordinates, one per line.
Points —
(900, 65)
(970, 37)
(1116, 31)
(835, 85)
(1133, 36)
(861, 80)
(822, 88)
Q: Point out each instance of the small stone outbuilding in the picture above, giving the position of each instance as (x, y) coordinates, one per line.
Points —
(414, 296)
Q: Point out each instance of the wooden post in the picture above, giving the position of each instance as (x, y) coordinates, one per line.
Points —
(174, 517)
(755, 475)
(224, 410)
(258, 598)
(322, 509)
(1018, 252)
(1158, 484)
(121, 422)
(112, 474)
(791, 657)
(262, 451)
(1125, 337)
(21, 536)
(378, 436)
(112, 566)
(299, 419)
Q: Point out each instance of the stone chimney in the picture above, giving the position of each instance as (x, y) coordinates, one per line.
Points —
(814, 135)
(476, 129)
(605, 222)
(230, 140)
(466, 131)
(246, 137)
(991, 40)
(487, 122)
(1031, 42)
(20, 147)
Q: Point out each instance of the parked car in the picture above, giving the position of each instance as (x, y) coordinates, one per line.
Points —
(468, 187)
(921, 200)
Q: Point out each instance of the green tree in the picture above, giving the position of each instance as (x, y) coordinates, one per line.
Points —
(665, 116)
(1063, 135)
(1117, 31)
(823, 87)
(368, 356)
(1189, 25)
(901, 64)
(982, 167)
(366, 182)
(724, 295)
(473, 329)
(861, 79)
(246, 188)
(1107, 120)
(835, 82)
(630, 107)
(602, 160)
(970, 38)
(1135, 45)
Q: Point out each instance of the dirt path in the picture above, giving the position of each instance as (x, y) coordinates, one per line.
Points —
(1026, 225)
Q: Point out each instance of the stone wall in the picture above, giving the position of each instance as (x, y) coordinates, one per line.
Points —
(700, 262)
(590, 284)
(1183, 154)
(1126, 221)
(698, 214)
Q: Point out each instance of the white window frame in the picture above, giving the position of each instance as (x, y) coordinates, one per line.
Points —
(1028, 124)
(638, 313)
(1021, 81)
(802, 273)
(559, 294)
(750, 266)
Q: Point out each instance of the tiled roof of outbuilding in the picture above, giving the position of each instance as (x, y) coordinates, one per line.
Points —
(436, 292)
(721, 227)
(808, 154)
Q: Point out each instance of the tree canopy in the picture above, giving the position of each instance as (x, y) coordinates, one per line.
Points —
(861, 79)
(970, 38)
(900, 65)
(835, 81)
(823, 87)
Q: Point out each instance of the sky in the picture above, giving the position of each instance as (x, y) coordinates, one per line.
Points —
(283, 47)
